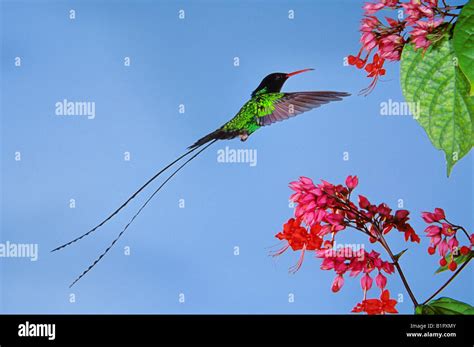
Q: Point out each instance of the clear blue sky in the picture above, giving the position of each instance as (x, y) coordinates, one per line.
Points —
(191, 250)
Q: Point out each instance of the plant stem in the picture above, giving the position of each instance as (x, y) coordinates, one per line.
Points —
(459, 227)
(399, 269)
(385, 245)
(444, 11)
(448, 281)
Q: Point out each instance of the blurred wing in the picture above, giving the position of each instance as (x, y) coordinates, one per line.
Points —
(293, 104)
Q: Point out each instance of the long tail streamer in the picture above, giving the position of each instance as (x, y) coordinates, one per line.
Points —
(126, 202)
(139, 211)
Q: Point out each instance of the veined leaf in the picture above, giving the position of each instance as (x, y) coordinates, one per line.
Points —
(463, 42)
(437, 89)
(446, 306)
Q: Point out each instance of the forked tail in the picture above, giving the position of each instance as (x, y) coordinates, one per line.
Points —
(99, 258)
(126, 202)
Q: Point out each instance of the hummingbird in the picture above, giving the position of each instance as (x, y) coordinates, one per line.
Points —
(266, 106)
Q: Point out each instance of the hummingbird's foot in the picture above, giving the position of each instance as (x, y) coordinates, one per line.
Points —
(244, 137)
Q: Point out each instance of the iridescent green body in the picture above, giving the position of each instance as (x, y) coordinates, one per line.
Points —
(260, 105)
(267, 106)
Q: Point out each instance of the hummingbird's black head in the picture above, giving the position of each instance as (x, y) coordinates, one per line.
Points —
(274, 82)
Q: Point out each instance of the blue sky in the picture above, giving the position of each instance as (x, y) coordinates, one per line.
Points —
(190, 250)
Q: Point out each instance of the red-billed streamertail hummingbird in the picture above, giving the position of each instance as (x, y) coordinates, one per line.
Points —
(267, 105)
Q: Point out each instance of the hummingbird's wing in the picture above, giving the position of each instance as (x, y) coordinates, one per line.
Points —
(293, 104)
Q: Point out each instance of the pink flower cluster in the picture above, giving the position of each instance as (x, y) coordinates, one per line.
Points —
(416, 10)
(322, 211)
(355, 262)
(422, 19)
(443, 238)
(421, 31)
(330, 206)
(325, 210)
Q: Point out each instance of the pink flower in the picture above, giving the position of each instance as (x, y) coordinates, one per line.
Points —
(370, 7)
(352, 182)
(337, 283)
(383, 210)
(443, 248)
(415, 10)
(319, 215)
(394, 23)
(439, 213)
(308, 182)
(401, 216)
(381, 281)
(447, 230)
(453, 244)
(335, 218)
(426, 11)
(391, 46)
(305, 199)
(369, 23)
(436, 216)
(428, 217)
(434, 233)
(363, 202)
(433, 230)
(390, 3)
(368, 40)
(388, 267)
(366, 282)
(421, 30)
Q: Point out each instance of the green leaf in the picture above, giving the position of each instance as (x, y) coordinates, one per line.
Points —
(460, 259)
(446, 306)
(437, 92)
(463, 42)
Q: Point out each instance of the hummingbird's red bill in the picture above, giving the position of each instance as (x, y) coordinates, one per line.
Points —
(297, 72)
